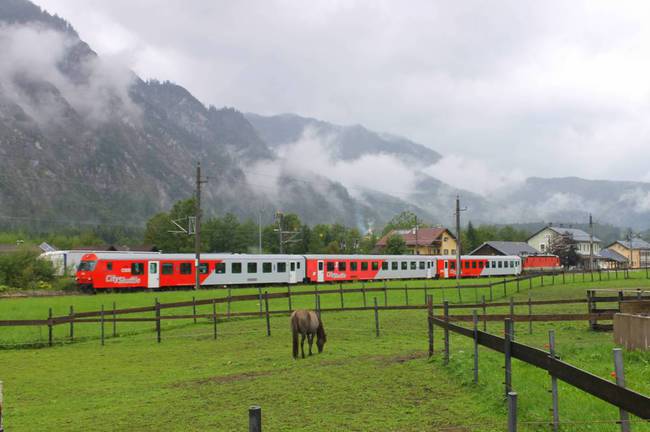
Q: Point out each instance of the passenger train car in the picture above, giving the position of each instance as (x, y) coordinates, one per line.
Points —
(107, 270)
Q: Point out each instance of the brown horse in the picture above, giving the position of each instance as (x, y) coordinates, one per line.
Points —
(306, 323)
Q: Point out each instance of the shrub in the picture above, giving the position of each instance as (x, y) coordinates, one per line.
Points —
(23, 270)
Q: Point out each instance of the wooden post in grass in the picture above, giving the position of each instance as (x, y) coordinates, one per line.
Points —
(430, 323)
(255, 419)
(114, 322)
(512, 317)
(512, 411)
(259, 296)
(363, 291)
(530, 315)
(554, 392)
(268, 316)
(101, 324)
(484, 314)
(406, 294)
(158, 335)
(446, 316)
(214, 318)
(289, 298)
(71, 327)
(376, 318)
(194, 309)
(341, 295)
(50, 328)
(475, 322)
(620, 381)
(507, 350)
(491, 294)
(517, 284)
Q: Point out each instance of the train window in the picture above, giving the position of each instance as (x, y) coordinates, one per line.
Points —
(298, 265)
(480, 264)
(513, 264)
(251, 267)
(153, 268)
(186, 268)
(447, 264)
(421, 265)
(282, 267)
(394, 265)
(219, 268)
(506, 264)
(293, 266)
(330, 266)
(137, 268)
(320, 266)
(500, 264)
(466, 264)
(405, 265)
(267, 267)
(453, 265)
(235, 268)
(167, 269)
(375, 265)
(204, 268)
(384, 265)
(473, 264)
(414, 265)
(109, 266)
(342, 265)
(353, 265)
(364, 265)
(428, 264)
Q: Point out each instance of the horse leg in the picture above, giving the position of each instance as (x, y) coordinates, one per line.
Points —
(310, 339)
(302, 345)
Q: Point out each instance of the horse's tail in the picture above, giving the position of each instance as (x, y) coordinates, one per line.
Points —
(294, 332)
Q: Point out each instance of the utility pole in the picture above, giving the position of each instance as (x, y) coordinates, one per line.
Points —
(280, 216)
(629, 240)
(591, 243)
(458, 243)
(259, 224)
(416, 235)
(197, 226)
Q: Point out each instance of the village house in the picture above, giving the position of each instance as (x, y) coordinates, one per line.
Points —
(636, 252)
(543, 238)
(502, 248)
(424, 241)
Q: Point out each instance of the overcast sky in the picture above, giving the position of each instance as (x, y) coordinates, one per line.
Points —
(521, 88)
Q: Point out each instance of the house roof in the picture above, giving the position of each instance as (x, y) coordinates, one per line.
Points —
(509, 248)
(637, 243)
(612, 255)
(575, 233)
(425, 236)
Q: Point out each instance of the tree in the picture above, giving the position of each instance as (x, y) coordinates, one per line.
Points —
(395, 245)
(404, 220)
(564, 246)
(472, 238)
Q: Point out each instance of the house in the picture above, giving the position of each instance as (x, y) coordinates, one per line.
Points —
(636, 251)
(424, 241)
(610, 260)
(521, 249)
(544, 237)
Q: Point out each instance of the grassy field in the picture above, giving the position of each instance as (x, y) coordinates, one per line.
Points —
(360, 382)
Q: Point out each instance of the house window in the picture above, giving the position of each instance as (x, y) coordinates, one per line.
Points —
(219, 268)
(267, 267)
(186, 268)
(453, 251)
(444, 239)
(446, 252)
(542, 247)
(235, 268)
(168, 268)
(251, 267)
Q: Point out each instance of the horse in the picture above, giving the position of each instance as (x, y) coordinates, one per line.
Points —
(307, 323)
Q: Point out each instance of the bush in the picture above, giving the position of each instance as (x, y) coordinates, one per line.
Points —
(23, 270)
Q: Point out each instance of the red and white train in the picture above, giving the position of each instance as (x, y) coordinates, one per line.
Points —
(99, 271)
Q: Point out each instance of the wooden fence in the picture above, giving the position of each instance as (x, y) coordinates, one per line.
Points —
(611, 298)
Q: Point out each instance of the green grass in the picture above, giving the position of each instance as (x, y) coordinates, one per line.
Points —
(360, 382)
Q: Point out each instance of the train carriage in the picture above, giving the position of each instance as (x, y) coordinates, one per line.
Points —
(479, 265)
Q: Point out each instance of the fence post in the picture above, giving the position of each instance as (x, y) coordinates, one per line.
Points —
(530, 315)
(507, 352)
(114, 322)
(430, 323)
(101, 324)
(446, 315)
(517, 284)
(620, 381)
(512, 411)
(259, 296)
(50, 328)
(341, 294)
(406, 294)
(268, 317)
(158, 335)
(318, 305)
(475, 321)
(484, 314)
(71, 328)
(255, 419)
(230, 299)
(289, 297)
(376, 318)
(214, 318)
(194, 308)
(491, 294)
(426, 294)
(554, 392)
(363, 291)
(505, 289)
(512, 318)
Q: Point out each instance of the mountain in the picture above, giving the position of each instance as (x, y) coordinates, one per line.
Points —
(342, 142)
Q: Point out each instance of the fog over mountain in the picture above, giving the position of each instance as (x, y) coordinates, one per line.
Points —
(84, 139)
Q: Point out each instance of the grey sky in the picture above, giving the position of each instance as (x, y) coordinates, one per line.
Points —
(547, 88)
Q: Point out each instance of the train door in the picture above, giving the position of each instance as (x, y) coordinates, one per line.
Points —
(154, 274)
(431, 265)
(292, 273)
(446, 270)
(321, 272)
